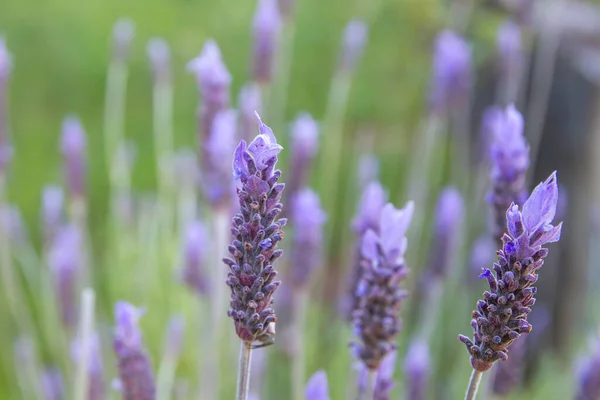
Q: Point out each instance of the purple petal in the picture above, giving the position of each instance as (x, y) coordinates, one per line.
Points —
(240, 168)
(540, 207)
(369, 246)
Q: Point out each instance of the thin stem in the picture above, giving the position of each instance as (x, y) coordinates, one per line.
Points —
(86, 329)
(299, 356)
(243, 383)
(371, 383)
(473, 385)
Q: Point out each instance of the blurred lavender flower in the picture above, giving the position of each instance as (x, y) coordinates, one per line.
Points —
(249, 103)
(73, 143)
(305, 142)
(501, 317)
(509, 156)
(217, 182)
(368, 169)
(265, 27)
(174, 337)
(379, 294)
(482, 254)
(256, 233)
(355, 39)
(52, 384)
(448, 219)
(13, 225)
(509, 48)
(385, 377)
(317, 387)
(213, 82)
(509, 374)
(307, 248)
(64, 261)
(5, 70)
(588, 373)
(94, 367)
(416, 370)
(489, 122)
(451, 79)
(123, 31)
(52, 211)
(135, 371)
(194, 255)
(160, 59)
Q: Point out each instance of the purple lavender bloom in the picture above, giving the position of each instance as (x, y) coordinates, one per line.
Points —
(64, 261)
(53, 387)
(416, 370)
(355, 40)
(249, 103)
(509, 373)
(52, 211)
(307, 248)
(256, 232)
(589, 376)
(135, 371)
(501, 317)
(451, 79)
(218, 183)
(123, 31)
(194, 256)
(317, 387)
(265, 27)
(482, 254)
(509, 157)
(174, 337)
(214, 82)
(73, 143)
(305, 141)
(448, 219)
(94, 366)
(5, 70)
(160, 59)
(509, 48)
(379, 294)
(385, 377)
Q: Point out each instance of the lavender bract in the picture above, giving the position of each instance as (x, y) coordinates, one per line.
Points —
(379, 294)
(266, 26)
(194, 255)
(256, 232)
(451, 77)
(306, 253)
(135, 371)
(416, 370)
(501, 317)
(73, 143)
(509, 158)
(317, 387)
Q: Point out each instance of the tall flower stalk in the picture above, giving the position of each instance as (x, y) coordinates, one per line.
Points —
(256, 231)
(501, 317)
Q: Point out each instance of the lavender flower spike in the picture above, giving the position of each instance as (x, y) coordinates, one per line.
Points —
(5, 70)
(379, 294)
(96, 387)
(266, 26)
(256, 232)
(589, 377)
(308, 236)
(451, 77)
(123, 32)
(135, 371)
(218, 183)
(509, 48)
(509, 158)
(73, 144)
(501, 317)
(194, 254)
(160, 59)
(355, 40)
(317, 387)
(305, 141)
(416, 370)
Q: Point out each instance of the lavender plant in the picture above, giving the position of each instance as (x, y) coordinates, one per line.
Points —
(256, 232)
(379, 294)
(266, 26)
(417, 370)
(501, 317)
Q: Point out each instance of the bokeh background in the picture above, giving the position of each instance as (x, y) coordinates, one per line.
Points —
(61, 51)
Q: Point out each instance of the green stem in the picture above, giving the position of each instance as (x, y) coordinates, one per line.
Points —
(473, 385)
(299, 356)
(243, 382)
(86, 329)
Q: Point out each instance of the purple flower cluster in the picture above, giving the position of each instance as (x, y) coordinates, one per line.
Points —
(256, 231)
(379, 294)
(501, 317)
(266, 26)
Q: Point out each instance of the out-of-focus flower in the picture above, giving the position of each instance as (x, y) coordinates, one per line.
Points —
(5, 61)
(379, 294)
(509, 373)
(194, 255)
(368, 169)
(317, 387)
(588, 375)
(52, 384)
(73, 143)
(509, 48)
(501, 317)
(52, 211)
(5, 70)
(265, 27)
(451, 79)
(417, 370)
(482, 254)
(307, 247)
(355, 40)
(135, 371)
(160, 59)
(217, 180)
(256, 232)
(305, 141)
(96, 387)
(174, 337)
(123, 32)
(249, 103)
